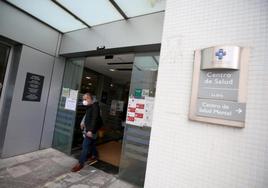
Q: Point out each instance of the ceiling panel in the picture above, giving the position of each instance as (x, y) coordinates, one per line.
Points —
(50, 13)
(92, 12)
(141, 7)
(69, 15)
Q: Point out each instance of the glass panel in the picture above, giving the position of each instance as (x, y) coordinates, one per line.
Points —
(141, 7)
(136, 139)
(65, 121)
(146, 63)
(92, 12)
(50, 13)
(4, 52)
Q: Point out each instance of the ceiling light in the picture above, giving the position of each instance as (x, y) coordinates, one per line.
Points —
(88, 77)
(112, 70)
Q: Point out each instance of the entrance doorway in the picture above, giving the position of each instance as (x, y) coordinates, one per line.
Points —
(113, 80)
(108, 79)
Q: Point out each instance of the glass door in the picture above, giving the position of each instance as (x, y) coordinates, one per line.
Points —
(4, 53)
(66, 115)
(139, 118)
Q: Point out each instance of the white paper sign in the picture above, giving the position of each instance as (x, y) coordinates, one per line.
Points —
(73, 94)
(149, 107)
(65, 92)
(145, 92)
(70, 104)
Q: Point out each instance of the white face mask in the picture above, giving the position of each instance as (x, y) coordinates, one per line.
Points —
(85, 103)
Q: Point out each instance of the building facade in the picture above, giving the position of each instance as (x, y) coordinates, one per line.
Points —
(182, 152)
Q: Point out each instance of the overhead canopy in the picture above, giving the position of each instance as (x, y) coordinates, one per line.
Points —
(69, 15)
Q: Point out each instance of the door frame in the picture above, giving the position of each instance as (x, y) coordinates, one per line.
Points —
(8, 86)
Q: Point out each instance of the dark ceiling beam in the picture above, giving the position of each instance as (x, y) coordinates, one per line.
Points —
(124, 69)
(67, 10)
(155, 60)
(121, 50)
(123, 63)
(117, 7)
(32, 16)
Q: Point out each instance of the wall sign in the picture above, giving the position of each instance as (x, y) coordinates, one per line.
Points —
(221, 109)
(33, 87)
(219, 85)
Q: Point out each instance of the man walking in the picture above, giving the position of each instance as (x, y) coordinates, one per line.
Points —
(92, 123)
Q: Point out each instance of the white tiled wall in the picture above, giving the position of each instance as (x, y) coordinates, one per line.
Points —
(190, 154)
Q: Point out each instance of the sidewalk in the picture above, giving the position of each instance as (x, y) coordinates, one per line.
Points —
(51, 169)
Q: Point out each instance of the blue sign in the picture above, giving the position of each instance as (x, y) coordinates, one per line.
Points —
(220, 54)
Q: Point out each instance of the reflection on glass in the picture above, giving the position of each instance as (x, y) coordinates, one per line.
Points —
(147, 63)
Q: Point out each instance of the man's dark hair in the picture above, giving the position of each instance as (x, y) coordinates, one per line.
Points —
(89, 94)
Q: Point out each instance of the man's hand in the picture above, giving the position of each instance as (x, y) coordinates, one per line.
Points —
(82, 126)
(89, 134)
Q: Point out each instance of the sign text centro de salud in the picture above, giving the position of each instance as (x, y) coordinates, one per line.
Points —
(218, 89)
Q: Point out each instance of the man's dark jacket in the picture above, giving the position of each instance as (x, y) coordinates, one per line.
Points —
(93, 119)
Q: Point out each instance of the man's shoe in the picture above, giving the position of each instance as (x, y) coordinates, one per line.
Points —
(92, 160)
(77, 168)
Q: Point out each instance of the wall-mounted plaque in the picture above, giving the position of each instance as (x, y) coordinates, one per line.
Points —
(220, 85)
(33, 87)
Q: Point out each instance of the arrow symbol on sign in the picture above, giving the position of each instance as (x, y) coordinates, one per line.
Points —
(239, 110)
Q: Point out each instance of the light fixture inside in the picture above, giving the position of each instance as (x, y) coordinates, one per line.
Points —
(88, 77)
(112, 70)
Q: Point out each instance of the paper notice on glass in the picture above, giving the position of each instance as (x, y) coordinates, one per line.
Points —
(135, 112)
(149, 107)
(145, 92)
(131, 111)
(65, 92)
(73, 94)
(131, 102)
(70, 104)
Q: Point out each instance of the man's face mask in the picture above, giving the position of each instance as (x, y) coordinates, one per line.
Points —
(85, 103)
